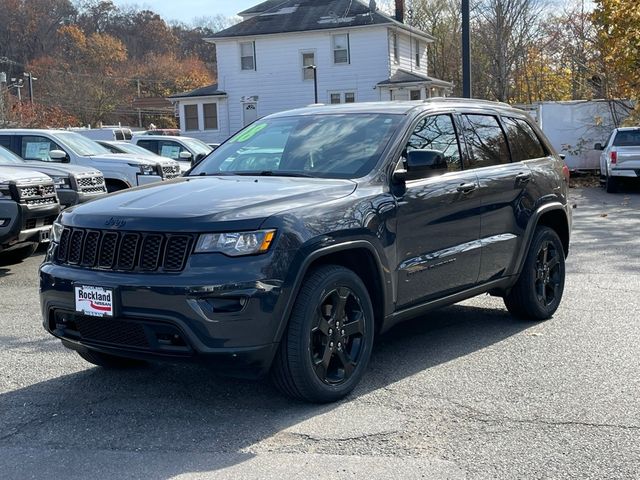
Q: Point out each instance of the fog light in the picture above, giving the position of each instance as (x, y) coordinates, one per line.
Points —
(4, 222)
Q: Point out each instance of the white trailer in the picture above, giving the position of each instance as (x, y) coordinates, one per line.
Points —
(574, 127)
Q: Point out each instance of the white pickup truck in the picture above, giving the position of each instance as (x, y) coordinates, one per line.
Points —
(620, 157)
(120, 171)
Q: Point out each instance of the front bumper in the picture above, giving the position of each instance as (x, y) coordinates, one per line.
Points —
(147, 179)
(25, 224)
(218, 310)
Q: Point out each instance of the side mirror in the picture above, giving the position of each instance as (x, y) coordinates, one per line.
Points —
(425, 163)
(185, 155)
(598, 146)
(59, 155)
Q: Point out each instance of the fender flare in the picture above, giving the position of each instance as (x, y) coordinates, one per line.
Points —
(323, 252)
(531, 227)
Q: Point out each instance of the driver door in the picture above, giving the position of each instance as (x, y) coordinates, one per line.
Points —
(438, 227)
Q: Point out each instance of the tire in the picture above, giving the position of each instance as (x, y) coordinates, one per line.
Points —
(538, 291)
(115, 186)
(18, 255)
(611, 184)
(320, 358)
(110, 361)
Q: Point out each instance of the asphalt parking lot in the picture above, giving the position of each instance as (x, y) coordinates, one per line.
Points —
(467, 392)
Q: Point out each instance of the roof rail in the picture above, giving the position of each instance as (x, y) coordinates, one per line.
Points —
(466, 100)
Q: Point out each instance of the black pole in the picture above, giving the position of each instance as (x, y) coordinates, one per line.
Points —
(466, 50)
(315, 82)
(30, 78)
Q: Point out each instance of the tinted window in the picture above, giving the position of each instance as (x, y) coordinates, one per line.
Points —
(151, 145)
(627, 138)
(5, 141)
(524, 143)
(437, 133)
(37, 148)
(485, 140)
(330, 146)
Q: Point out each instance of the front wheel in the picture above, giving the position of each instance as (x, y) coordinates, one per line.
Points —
(327, 345)
(538, 291)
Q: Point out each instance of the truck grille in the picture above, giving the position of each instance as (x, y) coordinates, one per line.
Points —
(124, 251)
(37, 195)
(171, 172)
(92, 184)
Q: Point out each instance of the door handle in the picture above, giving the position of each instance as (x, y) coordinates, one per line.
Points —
(523, 178)
(467, 187)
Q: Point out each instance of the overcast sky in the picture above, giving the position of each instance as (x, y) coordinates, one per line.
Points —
(187, 10)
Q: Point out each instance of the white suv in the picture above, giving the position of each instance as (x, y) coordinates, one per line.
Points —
(186, 150)
(620, 157)
(120, 171)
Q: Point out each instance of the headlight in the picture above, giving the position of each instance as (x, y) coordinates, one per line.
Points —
(236, 244)
(56, 231)
(61, 182)
(4, 190)
(145, 169)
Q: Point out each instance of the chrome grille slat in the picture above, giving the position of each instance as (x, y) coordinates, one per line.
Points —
(124, 251)
(37, 195)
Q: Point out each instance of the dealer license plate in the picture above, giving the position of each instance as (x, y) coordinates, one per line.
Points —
(94, 301)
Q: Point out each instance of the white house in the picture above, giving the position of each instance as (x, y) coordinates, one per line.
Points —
(359, 55)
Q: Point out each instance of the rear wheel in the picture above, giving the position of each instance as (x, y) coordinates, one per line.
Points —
(110, 361)
(327, 345)
(538, 291)
(115, 186)
(17, 255)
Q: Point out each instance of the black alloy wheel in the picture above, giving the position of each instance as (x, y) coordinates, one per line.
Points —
(538, 291)
(326, 347)
(336, 340)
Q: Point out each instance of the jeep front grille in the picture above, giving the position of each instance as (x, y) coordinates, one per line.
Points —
(124, 251)
(171, 172)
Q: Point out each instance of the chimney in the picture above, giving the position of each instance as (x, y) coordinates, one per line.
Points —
(400, 11)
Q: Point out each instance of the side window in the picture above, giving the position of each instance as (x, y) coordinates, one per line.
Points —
(37, 148)
(341, 48)
(248, 55)
(191, 118)
(525, 144)
(485, 140)
(151, 145)
(5, 141)
(437, 132)
(171, 149)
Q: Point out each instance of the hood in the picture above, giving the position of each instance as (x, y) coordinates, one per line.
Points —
(59, 168)
(152, 157)
(196, 204)
(21, 175)
(125, 158)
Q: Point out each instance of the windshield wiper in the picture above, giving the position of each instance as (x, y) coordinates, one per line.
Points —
(274, 173)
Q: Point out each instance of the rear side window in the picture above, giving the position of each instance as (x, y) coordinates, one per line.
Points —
(437, 132)
(627, 138)
(151, 145)
(524, 143)
(5, 141)
(485, 140)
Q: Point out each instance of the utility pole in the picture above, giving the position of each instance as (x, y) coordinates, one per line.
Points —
(466, 50)
(139, 111)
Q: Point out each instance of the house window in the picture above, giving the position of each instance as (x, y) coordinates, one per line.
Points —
(342, 97)
(308, 59)
(417, 49)
(248, 55)
(395, 46)
(341, 48)
(414, 95)
(191, 118)
(210, 116)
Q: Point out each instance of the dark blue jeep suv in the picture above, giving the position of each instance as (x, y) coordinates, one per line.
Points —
(308, 233)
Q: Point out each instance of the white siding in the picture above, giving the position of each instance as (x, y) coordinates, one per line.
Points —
(406, 47)
(278, 81)
(213, 136)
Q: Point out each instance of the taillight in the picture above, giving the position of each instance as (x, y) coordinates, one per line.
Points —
(614, 157)
(566, 173)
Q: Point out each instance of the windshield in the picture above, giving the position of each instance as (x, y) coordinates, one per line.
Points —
(330, 146)
(9, 158)
(627, 138)
(197, 146)
(80, 145)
